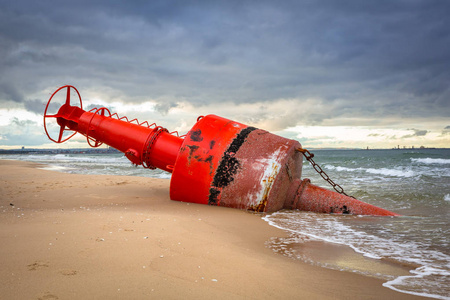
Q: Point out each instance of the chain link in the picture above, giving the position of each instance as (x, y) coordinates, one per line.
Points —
(309, 157)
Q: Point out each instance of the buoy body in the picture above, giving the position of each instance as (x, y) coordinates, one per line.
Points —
(226, 163)
(219, 162)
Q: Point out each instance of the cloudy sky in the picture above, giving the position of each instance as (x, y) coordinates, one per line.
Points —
(327, 73)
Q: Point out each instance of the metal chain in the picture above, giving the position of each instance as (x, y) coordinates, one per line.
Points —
(309, 157)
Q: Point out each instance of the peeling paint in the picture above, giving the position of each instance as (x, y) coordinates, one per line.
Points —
(271, 167)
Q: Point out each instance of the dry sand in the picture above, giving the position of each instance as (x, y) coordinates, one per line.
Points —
(67, 236)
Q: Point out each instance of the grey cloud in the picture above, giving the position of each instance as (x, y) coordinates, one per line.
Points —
(363, 58)
(23, 133)
(36, 106)
(93, 106)
(417, 132)
(21, 123)
(10, 93)
(421, 132)
(164, 108)
(446, 131)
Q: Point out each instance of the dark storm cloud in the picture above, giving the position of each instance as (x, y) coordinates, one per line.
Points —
(9, 92)
(36, 106)
(373, 58)
(417, 132)
(446, 131)
(164, 108)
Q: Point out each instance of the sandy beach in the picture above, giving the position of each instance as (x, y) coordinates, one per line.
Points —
(66, 236)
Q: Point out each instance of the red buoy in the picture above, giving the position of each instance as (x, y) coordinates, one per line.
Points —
(219, 162)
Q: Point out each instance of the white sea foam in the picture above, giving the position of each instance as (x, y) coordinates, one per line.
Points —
(447, 197)
(165, 175)
(381, 171)
(391, 172)
(92, 164)
(429, 160)
(104, 159)
(403, 283)
(340, 169)
(425, 280)
(55, 168)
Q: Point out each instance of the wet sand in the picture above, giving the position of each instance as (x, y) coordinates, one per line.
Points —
(66, 236)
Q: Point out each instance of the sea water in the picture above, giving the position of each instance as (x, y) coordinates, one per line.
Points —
(90, 163)
(414, 183)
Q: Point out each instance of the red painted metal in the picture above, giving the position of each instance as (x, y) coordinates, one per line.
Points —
(219, 162)
(152, 147)
(199, 158)
(310, 197)
(61, 121)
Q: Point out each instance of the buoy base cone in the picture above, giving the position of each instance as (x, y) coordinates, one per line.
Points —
(310, 197)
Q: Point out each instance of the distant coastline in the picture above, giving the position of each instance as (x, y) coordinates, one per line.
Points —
(109, 150)
(59, 151)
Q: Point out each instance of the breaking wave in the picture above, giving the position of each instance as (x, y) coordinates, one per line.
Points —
(380, 171)
(429, 160)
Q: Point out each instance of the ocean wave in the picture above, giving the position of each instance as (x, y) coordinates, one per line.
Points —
(381, 171)
(427, 280)
(104, 159)
(392, 172)
(56, 168)
(91, 164)
(407, 284)
(429, 160)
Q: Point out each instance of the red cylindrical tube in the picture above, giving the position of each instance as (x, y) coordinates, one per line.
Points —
(154, 147)
(314, 198)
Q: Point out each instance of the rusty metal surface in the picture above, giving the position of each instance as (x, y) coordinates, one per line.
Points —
(268, 164)
(313, 198)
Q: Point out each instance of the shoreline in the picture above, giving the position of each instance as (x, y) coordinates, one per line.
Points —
(71, 236)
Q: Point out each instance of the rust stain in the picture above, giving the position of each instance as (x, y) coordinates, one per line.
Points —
(196, 135)
(288, 170)
(192, 149)
(208, 159)
(343, 210)
(261, 206)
